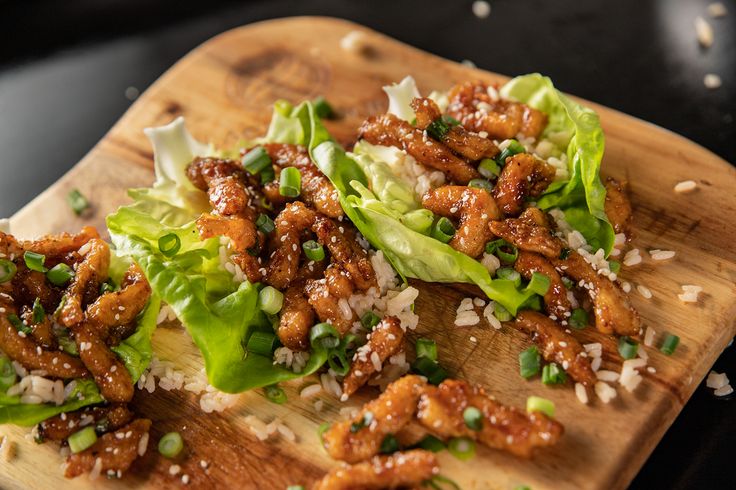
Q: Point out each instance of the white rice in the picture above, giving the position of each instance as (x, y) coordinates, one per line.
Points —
(644, 291)
(685, 186)
(632, 257)
(96, 469)
(330, 384)
(716, 380)
(657, 254)
(716, 10)
(704, 32)
(605, 392)
(35, 390)
(649, 336)
(489, 315)
(143, 444)
(581, 393)
(353, 42)
(490, 262)
(630, 377)
(595, 364)
(723, 391)
(174, 469)
(605, 375)
(310, 391)
(294, 360)
(690, 293)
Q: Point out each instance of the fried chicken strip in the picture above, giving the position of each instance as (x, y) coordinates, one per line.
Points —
(345, 251)
(360, 438)
(556, 302)
(458, 139)
(108, 370)
(441, 411)
(386, 340)
(557, 345)
(225, 183)
(526, 233)
(104, 419)
(115, 451)
(62, 243)
(473, 207)
(328, 297)
(523, 176)
(389, 130)
(122, 307)
(290, 224)
(296, 318)
(90, 273)
(618, 207)
(399, 470)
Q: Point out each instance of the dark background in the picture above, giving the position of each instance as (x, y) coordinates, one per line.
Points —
(66, 68)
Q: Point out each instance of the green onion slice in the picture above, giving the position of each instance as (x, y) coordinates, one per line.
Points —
(77, 201)
(553, 375)
(338, 358)
(290, 182)
(509, 274)
(370, 320)
(614, 266)
(275, 394)
(439, 482)
(430, 369)
(578, 319)
(7, 270)
(503, 250)
(438, 129)
(538, 404)
(322, 108)
(489, 168)
(18, 324)
(324, 335)
(669, 344)
(7, 374)
(265, 224)
(481, 184)
(529, 362)
(267, 175)
(539, 283)
(60, 274)
(627, 347)
(463, 448)
(170, 445)
(565, 253)
(313, 250)
(431, 443)
(501, 313)
(512, 149)
(256, 160)
(169, 244)
(270, 300)
(83, 439)
(295, 487)
(426, 348)
(106, 287)
(533, 302)
(35, 261)
(443, 230)
(389, 444)
(38, 313)
(262, 343)
(473, 418)
(365, 421)
(450, 120)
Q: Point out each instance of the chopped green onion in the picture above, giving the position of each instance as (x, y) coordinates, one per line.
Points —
(60, 274)
(313, 250)
(365, 421)
(338, 357)
(533, 302)
(261, 343)
(430, 369)
(35, 261)
(83, 439)
(256, 160)
(512, 149)
(265, 224)
(450, 120)
(489, 168)
(431, 443)
(509, 274)
(553, 375)
(670, 344)
(270, 300)
(267, 175)
(522, 487)
(18, 324)
(578, 319)
(627, 347)
(170, 445)
(370, 320)
(290, 182)
(295, 487)
(275, 394)
(565, 253)
(7, 374)
(106, 287)
(443, 230)
(503, 250)
(389, 444)
(473, 418)
(7, 270)
(481, 184)
(567, 283)
(439, 482)
(438, 129)
(539, 283)
(39, 314)
(169, 244)
(614, 266)
(77, 201)
(324, 335)
(322, 108)
(426, 348)
(529, 361)
(501, 313)
(538, 404)
(463, 448)
(323, 427)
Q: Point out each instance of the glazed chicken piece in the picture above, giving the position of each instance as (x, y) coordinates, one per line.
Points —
(458, 139)
(90, 273)
(472, 208)
(557, 345)
(360, 438)
(317, 190)
(104, 419)
(225, 182)
(27, 285)
(441, 411)
(386, 340)
(109, 372)
(42, 331)
(115, 451)
(290, 224)
(328, 297)
(529, 232)
(389, 130)
(55, 246)
(471, 103)
(611, 307)
(241, 231)
(399, 470)
(296, 318)
(618, 207)
(523, 176)
(556, 302)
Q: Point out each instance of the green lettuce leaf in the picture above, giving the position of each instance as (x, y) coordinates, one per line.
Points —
(12, 411)
(577, 131)
(218, 313)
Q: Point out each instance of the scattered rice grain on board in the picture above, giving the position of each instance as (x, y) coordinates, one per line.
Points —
(644, 291)
(716, 10)
(581, 393)
(481, 9)
(649, 336)
(712, 81)
(605, 392)
(704, 32)
(685, 186)
(657, 254)
(632, 257)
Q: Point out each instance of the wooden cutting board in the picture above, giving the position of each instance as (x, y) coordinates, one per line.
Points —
(225, 89)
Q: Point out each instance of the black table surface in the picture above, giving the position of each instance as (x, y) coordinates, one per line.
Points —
(69, 69)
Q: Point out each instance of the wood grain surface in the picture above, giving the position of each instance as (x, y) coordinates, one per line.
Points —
(225, 89)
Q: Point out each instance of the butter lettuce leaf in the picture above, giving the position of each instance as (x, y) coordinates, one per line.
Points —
(12, 411)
